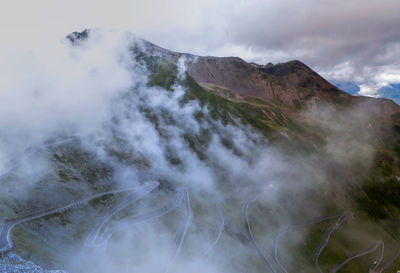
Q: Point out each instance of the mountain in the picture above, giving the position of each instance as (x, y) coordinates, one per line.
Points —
(215, 165)
(290, 83)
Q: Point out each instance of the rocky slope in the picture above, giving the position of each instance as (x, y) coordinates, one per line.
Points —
(292, 83)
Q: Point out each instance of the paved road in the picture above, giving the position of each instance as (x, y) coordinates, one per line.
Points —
(180, 235)
(386, 265)
(128, 222)
(7, 225)
(219, 228)
(221, 220)
(378, 244)
(251, 237)
(374, 268)
(137, 194)
(327, 236)
(293, 226)
(183, 193)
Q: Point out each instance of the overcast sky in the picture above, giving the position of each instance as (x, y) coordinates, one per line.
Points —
(345, 40)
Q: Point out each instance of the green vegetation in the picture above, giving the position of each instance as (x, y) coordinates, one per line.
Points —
(380, 193)
(74, 158)
(162, 73)
(269, 119)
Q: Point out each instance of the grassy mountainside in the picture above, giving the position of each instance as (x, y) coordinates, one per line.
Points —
(369, 189)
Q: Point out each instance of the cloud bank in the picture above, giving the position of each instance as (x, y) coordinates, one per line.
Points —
(355, 41)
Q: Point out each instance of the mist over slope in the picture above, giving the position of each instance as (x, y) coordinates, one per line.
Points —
(207, 162)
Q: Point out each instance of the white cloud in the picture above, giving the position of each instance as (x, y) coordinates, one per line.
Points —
(341, 72)
(57, 88)
(389, 76)
(371, 90)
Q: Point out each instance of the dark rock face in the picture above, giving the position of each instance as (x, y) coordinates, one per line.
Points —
(288, 83)
(78, 37)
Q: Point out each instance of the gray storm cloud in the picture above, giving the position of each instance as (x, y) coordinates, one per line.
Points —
(344, 40)
(327, 35)
(354, 41)
(361, 36)
(330, 32)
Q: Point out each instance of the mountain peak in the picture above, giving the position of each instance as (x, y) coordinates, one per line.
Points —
(291, 83)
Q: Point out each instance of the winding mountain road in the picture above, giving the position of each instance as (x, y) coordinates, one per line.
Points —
(374, 268)
(377, 269)
(251, 237)
(218, 230)
(180, 235)
(378, 244)
(182, 194)
(137, 194)
(128, 222)
(293, 226)
(7, 224)
(327, 236)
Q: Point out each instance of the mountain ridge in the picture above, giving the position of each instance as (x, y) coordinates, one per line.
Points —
(288, 82)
